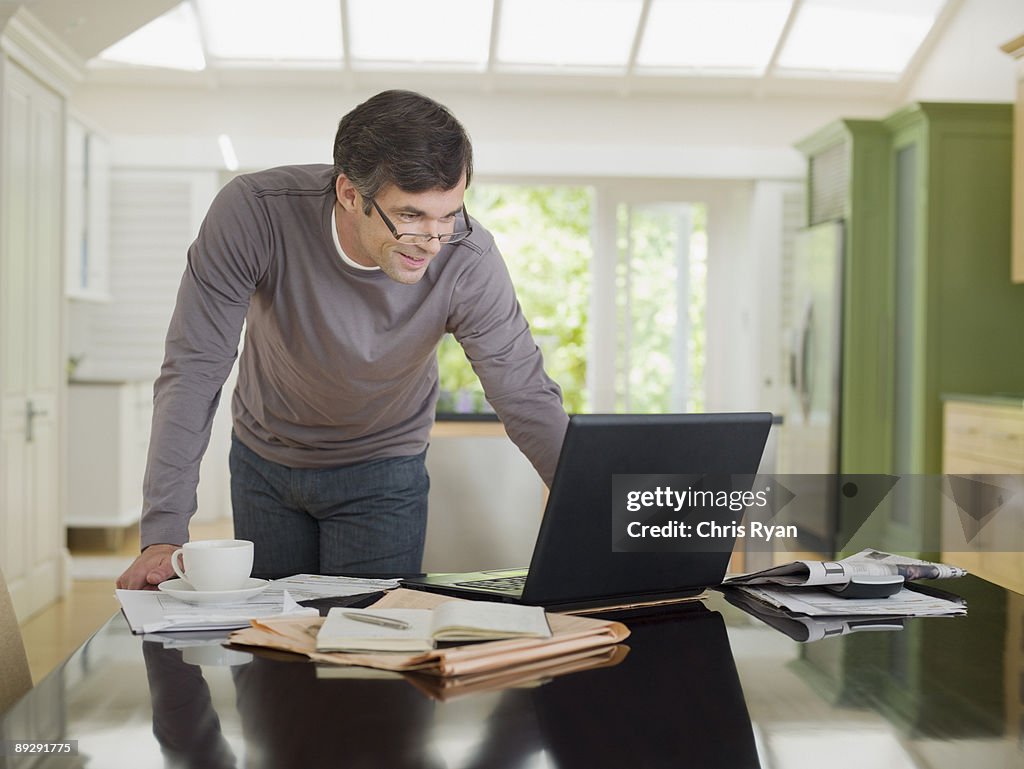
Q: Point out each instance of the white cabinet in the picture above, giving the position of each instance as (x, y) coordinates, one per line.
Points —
(108, 436)
(87, 213)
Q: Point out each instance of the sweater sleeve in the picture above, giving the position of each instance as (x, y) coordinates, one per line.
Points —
(225, 263)
(488, 322)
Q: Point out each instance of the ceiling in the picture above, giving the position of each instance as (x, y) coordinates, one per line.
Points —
(722, 46)
(88, 27)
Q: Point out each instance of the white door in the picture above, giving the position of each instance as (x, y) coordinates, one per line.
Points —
(32, 552)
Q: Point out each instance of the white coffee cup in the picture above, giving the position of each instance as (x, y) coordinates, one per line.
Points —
(214, 564)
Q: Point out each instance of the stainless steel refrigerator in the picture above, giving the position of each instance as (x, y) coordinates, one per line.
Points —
(809, 435)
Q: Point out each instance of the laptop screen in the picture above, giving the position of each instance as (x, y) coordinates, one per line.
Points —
(575, 555)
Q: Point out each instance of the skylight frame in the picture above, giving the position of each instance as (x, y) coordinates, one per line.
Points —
(321, 35)
(155, 44)
(631, 69)
(620, 16)
(431, 29)
(844, 13)
(717, 15)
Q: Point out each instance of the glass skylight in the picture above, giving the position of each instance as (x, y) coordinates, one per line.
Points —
(170, 41)
(271, 30)
(824, 39)
(568, 33)
(724, 35)
(454, 32)
(868, 37)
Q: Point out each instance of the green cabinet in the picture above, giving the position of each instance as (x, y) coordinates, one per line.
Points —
(959, 322)
(928, 306)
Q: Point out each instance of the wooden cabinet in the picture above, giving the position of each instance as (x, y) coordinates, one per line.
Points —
(108, 438)
(1016, 49)
(986, 440)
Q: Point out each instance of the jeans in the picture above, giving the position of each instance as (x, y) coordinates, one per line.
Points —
(369, 518)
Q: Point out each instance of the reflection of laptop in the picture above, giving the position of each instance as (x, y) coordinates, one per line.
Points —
(573, 561)
(681, 665)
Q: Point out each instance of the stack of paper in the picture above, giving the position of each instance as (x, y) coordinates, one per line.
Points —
(150, 611)
(569, 636)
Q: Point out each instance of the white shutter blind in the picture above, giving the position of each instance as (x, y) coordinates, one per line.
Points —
(153, 220)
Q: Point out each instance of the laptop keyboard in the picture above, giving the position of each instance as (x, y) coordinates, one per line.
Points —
(507, 584)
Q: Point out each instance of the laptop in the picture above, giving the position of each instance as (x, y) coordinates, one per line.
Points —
(574, 563)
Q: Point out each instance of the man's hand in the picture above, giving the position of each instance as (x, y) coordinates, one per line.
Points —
(152, 567)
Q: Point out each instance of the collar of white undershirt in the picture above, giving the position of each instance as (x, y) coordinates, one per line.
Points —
(337, 244)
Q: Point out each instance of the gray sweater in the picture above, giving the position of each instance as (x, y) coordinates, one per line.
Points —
(339, 365)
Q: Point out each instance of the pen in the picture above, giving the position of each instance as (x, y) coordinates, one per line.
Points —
(374, 619)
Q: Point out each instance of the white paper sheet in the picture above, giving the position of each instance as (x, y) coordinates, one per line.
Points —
(150, 611)
(305, 587)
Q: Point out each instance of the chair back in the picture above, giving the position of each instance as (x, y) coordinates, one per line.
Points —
(15, 678)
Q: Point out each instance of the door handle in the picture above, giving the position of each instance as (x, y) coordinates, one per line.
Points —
(31, 412)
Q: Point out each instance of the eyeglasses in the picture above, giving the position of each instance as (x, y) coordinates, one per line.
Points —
(419, 238)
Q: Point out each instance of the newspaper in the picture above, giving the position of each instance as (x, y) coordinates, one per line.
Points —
(865, 563)
(817, 602)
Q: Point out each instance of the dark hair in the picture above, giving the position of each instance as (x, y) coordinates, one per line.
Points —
(401, 138)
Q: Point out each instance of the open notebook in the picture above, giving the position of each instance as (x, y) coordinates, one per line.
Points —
(421, 629)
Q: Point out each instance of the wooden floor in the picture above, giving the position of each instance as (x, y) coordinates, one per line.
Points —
(54, 633)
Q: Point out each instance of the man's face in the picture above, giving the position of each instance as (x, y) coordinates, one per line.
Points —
(368, 241)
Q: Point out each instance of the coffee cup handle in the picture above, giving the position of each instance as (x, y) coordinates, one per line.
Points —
(174, 563)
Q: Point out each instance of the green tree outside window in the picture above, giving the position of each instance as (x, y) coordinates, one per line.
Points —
(544, 234)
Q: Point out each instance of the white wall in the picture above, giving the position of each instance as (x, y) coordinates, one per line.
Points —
(544, 134)
(967, 64)
(731, 150)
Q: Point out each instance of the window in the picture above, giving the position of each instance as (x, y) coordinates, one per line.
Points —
(659, 307)
(646, 334)
(544, 234)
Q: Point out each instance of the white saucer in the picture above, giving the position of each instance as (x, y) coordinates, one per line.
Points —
(180, 589)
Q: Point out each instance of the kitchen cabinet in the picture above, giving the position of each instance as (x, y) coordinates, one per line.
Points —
(925, 198)
(1016, 49)
(984, 436)
(958, 319)
(108, 438)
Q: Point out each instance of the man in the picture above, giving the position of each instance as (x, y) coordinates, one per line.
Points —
(346, 278)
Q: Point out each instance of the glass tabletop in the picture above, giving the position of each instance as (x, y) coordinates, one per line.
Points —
(705, 684)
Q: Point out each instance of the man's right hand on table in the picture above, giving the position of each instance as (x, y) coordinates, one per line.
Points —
(152, 567)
